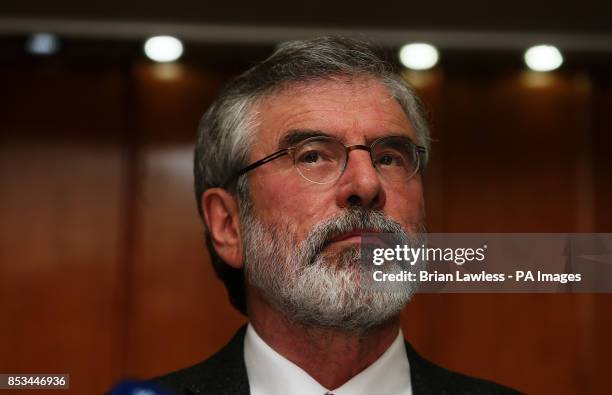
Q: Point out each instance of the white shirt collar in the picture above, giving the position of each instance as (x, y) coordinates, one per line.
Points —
(270, 373)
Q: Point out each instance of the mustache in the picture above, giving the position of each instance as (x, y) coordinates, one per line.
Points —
(352, 219)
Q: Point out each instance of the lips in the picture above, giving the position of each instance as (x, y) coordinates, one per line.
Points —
(352, 234)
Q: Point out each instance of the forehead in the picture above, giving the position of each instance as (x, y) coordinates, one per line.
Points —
(354, 110)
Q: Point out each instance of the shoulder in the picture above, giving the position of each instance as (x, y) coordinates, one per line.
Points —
(429, 378)
(222, 373)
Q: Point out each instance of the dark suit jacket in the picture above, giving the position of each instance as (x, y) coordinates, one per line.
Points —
(225, 373)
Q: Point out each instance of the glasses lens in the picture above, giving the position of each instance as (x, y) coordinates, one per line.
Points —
(320, 160)
(395, 158)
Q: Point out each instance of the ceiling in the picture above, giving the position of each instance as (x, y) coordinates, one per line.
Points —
(460, 24)
(586, 16)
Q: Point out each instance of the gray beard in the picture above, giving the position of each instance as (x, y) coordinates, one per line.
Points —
(312, 286)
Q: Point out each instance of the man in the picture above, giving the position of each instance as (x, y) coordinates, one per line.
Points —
(296, 160)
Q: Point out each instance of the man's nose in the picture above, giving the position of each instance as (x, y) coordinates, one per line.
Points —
(360, 184)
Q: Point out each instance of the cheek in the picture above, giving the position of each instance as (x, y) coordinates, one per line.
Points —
(289, 202)
(278, 199)
(267, 196)
(407, 205)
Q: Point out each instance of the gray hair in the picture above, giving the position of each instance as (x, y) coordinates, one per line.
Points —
(227, 129)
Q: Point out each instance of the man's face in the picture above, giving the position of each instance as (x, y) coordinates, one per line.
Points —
(291, 214)
(355, 113)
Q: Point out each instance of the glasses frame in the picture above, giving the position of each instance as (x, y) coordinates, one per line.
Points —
(419, 150)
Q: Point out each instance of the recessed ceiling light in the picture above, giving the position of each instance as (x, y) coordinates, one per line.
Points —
(419, 56)
(42, 44)
(543, 58)
(163, 48)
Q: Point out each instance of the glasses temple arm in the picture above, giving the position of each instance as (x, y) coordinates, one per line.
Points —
(254, 165)
(263, 161)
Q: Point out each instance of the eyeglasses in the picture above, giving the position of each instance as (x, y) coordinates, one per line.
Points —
(323, 159)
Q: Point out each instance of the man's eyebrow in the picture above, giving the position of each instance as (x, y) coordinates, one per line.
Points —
(295, 136)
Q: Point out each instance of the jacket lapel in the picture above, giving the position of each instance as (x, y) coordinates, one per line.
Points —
(224, 373)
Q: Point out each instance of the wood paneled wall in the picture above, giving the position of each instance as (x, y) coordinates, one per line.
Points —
(62, 224)
(103, 272)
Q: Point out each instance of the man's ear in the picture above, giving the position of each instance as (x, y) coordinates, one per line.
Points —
(221, 214)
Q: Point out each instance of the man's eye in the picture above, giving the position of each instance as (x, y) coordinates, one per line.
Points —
(310, 157)
(389, 160)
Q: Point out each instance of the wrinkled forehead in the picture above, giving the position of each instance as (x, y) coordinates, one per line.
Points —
(356, 108)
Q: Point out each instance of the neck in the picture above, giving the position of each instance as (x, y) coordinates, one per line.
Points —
(331, 356)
